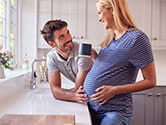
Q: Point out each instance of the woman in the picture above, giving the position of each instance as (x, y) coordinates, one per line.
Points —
(112, 78)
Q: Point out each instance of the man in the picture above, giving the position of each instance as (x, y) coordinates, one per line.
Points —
(63, 58)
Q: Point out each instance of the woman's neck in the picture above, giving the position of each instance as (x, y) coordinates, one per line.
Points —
(119, 33)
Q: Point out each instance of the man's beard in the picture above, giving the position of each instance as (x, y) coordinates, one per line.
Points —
(69, 50)
(66, 51)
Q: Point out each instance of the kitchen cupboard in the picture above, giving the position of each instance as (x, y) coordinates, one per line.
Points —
(44, 13)
(158, 24)
(150, 16)
(82, 18)
(150, 107)
(95, 30)
(74, 12)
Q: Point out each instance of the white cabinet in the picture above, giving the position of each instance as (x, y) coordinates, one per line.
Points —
(95, 30)
(150, 16)
(82, 19)
(81, 16)
(141, 12)
(44, 13)
(74, 12)
(150, 107)
(158, 24)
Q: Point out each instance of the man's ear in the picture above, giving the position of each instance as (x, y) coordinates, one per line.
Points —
(52, 44)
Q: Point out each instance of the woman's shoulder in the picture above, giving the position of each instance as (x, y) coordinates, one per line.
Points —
(134, 36)
(136, 33)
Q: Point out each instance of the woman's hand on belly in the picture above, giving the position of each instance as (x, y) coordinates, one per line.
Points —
(103, 94)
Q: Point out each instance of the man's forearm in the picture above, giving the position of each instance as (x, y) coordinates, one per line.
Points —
(63, 94)
(80, 79)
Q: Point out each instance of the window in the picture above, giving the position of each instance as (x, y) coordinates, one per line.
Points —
(2, 22)
(13, 25)
(8, 24)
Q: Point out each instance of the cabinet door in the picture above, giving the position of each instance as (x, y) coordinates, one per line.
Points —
(95, 30)
(82, 19)
(149, 107)
(164, 106)
(61, 10)
(141, 11)
(44, 14)
(158, 24)
(139, 108)
(143, 107)
(74, 13)
(160, 106)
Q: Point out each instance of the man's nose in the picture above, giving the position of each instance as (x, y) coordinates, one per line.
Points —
(69, 37)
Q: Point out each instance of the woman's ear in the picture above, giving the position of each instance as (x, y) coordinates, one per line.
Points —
(52, 44)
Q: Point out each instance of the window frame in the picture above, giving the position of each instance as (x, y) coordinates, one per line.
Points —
(8, 22)
(4, 20)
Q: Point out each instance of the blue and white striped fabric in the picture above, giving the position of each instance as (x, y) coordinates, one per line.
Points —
(118, 64)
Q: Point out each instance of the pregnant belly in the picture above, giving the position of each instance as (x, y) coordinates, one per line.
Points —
(90, 84)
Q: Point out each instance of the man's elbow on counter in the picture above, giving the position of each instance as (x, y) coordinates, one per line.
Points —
(56, 96)
(55, 93)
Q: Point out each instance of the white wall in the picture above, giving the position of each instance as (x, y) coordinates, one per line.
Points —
(160, 65)
(28, 29)
(160, 62)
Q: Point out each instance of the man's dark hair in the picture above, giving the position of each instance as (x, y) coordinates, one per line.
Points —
(50, 27)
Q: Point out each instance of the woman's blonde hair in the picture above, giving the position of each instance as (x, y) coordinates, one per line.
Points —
(122, 17)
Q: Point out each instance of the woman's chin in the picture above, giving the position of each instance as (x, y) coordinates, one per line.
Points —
(106, 27)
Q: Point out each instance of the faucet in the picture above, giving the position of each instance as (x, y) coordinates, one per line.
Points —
(33, 74)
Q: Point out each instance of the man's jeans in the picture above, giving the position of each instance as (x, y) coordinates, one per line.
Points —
(108, 118)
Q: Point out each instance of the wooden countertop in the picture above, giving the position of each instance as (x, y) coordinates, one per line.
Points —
(13, 119)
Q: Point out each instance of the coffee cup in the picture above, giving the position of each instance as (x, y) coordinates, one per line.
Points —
(85, 49)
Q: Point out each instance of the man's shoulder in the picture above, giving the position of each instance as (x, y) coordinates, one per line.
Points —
(51, 54)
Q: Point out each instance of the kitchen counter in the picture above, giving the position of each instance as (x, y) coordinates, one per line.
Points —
(17, 99)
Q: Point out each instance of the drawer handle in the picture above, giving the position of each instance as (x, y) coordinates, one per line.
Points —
(150, 94)
(154, 38)
(158, 94)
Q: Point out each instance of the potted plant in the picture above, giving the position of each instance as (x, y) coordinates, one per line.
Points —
(5, 57)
